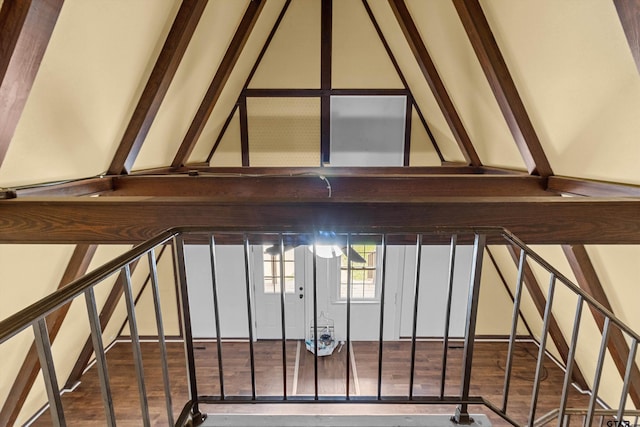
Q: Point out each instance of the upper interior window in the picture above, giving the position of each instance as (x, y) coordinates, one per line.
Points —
(368, 130)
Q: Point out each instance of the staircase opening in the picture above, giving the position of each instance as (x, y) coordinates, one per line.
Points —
(413, 352)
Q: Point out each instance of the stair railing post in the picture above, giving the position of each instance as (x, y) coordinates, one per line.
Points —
(43, 346)
(183, 295)
(462, 415)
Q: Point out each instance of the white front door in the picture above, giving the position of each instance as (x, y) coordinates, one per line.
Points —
(266, 279)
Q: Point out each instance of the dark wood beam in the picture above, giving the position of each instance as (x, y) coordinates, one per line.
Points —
(316, 93)
(81, 187)
(432, 77)
(629, 14)
(306, 187)
(335, 170)
(326, 43)
(494, 67)
(244, 131)
(184, 25)
(588, 280)
(536, 220)
(164, 170)
(539, 300)
(25, 29)
(217, 84)
(76, 267)
(584, 187)
(407, 131)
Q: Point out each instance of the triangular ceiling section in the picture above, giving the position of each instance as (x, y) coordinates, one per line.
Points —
(227, 153)
(423, 96)
(422, 151)
(292, 60)
(359, 59)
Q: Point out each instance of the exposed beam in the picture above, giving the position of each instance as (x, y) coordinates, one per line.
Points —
(629, 14)
(244, 131)
(175, 45)
(25, 29)
(432, 77)
(315, 93)
(407, 131)
(308, 187)
(217, 84)
(536, 220)
(504, 89)
(588, 280)
(81, 187)
(326, 42)
(539, 300)
(584, 187)
(76, 267)
(341, 171)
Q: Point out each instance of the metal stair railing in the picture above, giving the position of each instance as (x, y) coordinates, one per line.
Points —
(34, 316)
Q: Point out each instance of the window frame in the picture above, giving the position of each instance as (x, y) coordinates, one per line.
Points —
(272, 272)
(377, 281)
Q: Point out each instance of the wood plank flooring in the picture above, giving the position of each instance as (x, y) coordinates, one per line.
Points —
(84, 407)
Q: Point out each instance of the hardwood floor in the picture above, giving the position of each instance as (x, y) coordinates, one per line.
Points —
(83, 406)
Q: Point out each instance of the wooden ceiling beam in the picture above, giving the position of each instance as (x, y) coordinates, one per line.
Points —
(310, 187)
(210, 99)
(588, 280)
(629, 14)
(337, 170)
(175, 45)
(76, 267)
(502, 85)
(81, 187)
(584, 187)
(540, 301)
(326, 49)
(536, 220)
(432, 77)
(25, 29)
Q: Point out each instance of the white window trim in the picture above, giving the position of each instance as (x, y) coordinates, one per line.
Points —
(335, 294)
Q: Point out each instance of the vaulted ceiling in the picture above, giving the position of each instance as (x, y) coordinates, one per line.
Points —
(216, 113)
(94, 90)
